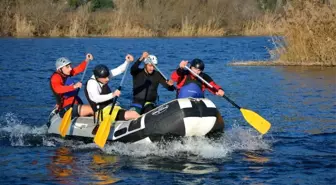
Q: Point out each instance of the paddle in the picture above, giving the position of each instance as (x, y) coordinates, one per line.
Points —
(254, 119)
(105, 126)
(66, 121)
(150, 61)
(159, 71)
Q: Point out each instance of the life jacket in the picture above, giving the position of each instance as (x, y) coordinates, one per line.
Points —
(69, 81)
(191, 88)
(98, 106)
(60, 97)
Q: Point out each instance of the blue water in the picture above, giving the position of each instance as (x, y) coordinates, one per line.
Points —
(300, 102)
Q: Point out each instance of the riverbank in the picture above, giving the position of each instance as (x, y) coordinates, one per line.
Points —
(278, 63)
(123, 18)
(306, 29)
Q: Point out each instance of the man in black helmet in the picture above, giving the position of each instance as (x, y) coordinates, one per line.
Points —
(189, 85)
(99, 94)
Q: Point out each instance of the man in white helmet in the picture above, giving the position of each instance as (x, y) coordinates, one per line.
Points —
(145, 84)
(64, 88)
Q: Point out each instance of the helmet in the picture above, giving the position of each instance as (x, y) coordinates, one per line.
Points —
(198, 64)
(151, 58)
(61, 62)
(101, 71)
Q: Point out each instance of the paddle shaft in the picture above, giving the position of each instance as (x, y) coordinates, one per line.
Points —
(73, 101)
(207, 83)
(119, 88)
(159, 71)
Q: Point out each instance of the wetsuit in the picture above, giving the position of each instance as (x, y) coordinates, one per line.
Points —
(145, 87)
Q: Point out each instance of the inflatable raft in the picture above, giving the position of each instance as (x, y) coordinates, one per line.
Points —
(180, 117)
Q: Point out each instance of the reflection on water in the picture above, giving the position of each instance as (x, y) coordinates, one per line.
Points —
(256, 165)
(174, 165)
(66, 168)
(100, 162)
(62, 165)
(255, 158)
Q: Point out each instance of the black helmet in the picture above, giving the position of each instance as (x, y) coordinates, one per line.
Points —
(101, 71)
(197, 63)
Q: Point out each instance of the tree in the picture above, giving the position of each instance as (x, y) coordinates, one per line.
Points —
(101, 4)
(76, 3)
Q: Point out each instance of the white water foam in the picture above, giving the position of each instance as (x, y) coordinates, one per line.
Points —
(233, 140)
(13, 128)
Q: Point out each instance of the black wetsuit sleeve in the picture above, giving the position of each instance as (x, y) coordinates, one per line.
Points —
(163, 82)
(135, 68)
(180, 71)
(206, 77)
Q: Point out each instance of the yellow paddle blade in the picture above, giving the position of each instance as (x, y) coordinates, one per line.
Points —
(103, 132)
(254, 119)
(66, 122)
(104, 128)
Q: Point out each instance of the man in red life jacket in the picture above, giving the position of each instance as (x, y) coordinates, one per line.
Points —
(189, 85)
(64, 88)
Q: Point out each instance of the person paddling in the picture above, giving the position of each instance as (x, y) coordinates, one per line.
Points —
(146, 82)
(100, 96)
(190, 86)
(64, 88)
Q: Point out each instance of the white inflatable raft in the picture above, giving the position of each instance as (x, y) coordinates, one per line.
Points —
(180, 117)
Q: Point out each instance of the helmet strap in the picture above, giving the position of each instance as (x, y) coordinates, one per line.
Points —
(61, 71)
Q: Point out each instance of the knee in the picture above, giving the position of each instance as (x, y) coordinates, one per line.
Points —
(136, 114)
(131, 115)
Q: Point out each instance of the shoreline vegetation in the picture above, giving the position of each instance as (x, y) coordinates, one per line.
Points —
(303, 31)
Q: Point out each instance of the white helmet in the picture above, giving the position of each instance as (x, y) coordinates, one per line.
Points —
(61, 62)
(151, 59)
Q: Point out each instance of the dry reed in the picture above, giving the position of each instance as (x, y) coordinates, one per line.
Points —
(128, 18)
(308, 29)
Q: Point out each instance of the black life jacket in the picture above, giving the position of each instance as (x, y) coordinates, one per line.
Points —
(98, 106)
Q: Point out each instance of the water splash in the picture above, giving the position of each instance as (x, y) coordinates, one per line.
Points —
(203, 147)
(13, 131)
(19, 134)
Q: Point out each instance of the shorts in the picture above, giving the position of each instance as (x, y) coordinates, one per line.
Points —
(74, 113)
(120, 114)
(141, 110)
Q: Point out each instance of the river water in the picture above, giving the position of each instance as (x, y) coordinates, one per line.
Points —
(299, 102)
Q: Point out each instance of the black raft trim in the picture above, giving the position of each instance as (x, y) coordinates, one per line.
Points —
(135, 124)
(120, 132)
(199, 109)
